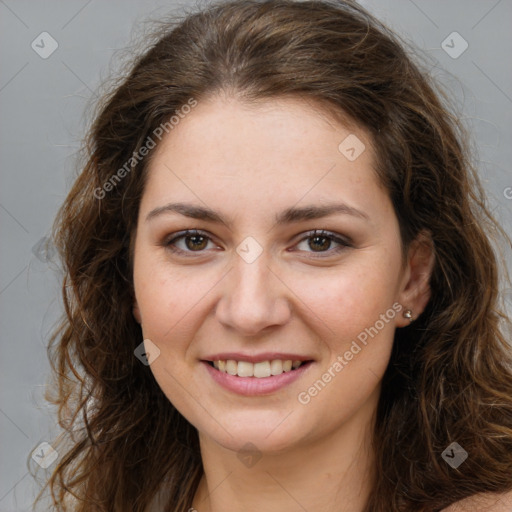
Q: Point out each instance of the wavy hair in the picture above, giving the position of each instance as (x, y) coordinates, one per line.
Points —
(450, 374)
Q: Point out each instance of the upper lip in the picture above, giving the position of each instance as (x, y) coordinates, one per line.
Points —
(256, 358)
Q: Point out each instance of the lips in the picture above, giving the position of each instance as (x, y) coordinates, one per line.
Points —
(255, 374)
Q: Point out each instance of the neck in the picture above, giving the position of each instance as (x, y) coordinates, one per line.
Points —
(331, 473)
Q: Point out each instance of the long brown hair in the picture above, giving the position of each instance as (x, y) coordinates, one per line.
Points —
(450, 375)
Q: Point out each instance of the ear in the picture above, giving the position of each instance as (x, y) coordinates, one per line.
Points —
(415, 292)
(136, 312)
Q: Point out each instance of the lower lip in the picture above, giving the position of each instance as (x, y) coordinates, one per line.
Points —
(253, 386)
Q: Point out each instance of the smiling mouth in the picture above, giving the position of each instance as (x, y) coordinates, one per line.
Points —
(259, 370)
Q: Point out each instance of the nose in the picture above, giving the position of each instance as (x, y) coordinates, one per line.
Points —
(254, 298)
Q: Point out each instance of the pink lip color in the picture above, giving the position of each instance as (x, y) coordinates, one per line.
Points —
(253, 386)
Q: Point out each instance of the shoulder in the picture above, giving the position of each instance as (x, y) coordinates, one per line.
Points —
(488, 502)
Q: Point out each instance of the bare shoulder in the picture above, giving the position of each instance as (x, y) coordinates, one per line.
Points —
(483, 503)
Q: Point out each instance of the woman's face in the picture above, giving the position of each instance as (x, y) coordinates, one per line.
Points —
(256, 287)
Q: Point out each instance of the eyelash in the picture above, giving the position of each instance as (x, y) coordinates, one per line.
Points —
(344, 243)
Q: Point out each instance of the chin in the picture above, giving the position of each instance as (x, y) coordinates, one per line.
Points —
(269, 435)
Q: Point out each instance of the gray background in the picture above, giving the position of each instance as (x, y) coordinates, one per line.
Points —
(43, 103)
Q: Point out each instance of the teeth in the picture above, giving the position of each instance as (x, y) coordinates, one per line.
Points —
(258, 370)
(231, 367)
(261, 369)
(245, 369)
(276, 367)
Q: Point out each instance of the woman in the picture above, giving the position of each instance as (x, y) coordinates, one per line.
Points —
(280, 288)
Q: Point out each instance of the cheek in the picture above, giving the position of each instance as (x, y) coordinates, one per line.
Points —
(168, 303)
(352, 299)
(357, 330)
(357, 327)
(166, 297)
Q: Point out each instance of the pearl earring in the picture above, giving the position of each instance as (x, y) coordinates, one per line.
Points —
(408, 314)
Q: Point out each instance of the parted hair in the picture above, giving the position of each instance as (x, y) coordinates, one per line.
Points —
(450, 373)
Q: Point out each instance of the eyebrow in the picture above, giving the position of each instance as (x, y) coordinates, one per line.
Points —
(288, 216)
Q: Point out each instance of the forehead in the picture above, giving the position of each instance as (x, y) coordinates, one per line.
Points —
(264, 124)
(277, 150)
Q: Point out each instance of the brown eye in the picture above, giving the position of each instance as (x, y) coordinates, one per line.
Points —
(188, 241)
(197, 242)
(321, 242)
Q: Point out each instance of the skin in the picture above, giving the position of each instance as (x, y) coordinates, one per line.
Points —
(250, 163)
